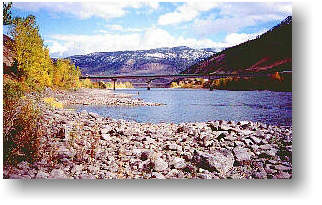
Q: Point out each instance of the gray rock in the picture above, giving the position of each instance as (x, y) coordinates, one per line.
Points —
(105, 137)
(106, 129)
(160, 165)
(42, 175)
(58, 174)
(218, 161)
(243, 154)
(93, 115)
(157, 175)
(178, 163)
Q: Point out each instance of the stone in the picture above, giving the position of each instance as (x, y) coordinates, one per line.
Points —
(157, 175)
(42, 175)
(106, 137)
(283, 175)
(84, 112)
(178, 163)
(93, 115)
(58, 174)
(106, 129)
(160, 165)
(218, 161)
(271, 152)
(243, 154)
(255, 139)
(282, 167)
(265, 146)
(77, 169)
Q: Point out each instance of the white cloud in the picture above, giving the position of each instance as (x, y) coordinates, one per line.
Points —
(232, 17)
(83, 10)
(116, 27)
(186, 12)
(67, 45)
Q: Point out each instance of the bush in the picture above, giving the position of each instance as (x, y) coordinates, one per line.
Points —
(53, 103)
(21, 128)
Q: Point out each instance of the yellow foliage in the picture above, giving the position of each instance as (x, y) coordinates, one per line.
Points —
(174, 85)
(53, 103)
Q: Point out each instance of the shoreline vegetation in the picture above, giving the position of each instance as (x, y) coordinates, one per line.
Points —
(44, 139)
(274, 82)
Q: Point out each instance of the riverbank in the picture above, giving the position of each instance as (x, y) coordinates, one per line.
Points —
(84, 145)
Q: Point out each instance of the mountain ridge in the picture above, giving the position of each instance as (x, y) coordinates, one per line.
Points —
(269, 52)
(165, 60)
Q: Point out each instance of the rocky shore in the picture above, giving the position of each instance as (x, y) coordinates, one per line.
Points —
(86, 96)
(82, 145)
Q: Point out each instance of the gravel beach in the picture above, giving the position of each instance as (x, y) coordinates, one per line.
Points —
(82, 145)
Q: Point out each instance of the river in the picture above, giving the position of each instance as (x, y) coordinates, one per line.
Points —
(198, 105)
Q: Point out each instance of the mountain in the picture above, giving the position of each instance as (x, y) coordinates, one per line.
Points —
(269, 52)
(153, 61)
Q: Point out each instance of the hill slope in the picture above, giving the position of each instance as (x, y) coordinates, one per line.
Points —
(154, 61)
(271, 51)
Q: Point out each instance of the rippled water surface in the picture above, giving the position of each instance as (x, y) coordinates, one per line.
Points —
(189, 105)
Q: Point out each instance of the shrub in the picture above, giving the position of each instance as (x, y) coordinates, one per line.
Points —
(21, 127)
(53, 103)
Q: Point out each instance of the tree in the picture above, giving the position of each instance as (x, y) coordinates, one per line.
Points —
(7, 18)
(34, 64)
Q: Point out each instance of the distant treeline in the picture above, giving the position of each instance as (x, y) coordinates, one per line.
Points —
(87, 83)
(275, 82)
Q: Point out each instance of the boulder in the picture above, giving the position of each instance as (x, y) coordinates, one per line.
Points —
(160, 165)
(178, 163)
(218, 161)
(58, 174)
(243, 154)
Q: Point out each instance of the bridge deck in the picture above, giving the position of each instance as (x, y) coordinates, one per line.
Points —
(212, 76)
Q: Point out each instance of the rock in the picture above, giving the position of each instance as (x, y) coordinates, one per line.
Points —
(255, 139)
(63, 152)
(144, 155)
(42, 175)
(282, 167)
(160, 165)
(23, 165)
(178, 163)
(265, 146)
(106, 129)
(271, 152)
(284, 175)
(58, 174)
(93, 115)
(77, 169)
(243, 154)
(203, 176)
(105, 137)
(218, 161)
(157, 175)
(84, 112)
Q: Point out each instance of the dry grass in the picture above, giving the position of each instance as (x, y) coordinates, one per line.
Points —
(53, 103)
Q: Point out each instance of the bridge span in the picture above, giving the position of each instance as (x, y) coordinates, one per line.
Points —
(149, 78)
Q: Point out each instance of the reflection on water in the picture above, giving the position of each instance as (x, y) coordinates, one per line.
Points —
(188, 105)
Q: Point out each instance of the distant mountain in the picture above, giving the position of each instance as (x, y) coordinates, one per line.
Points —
(154, 61)
(269, 52)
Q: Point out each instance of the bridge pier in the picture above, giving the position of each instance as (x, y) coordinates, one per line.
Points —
(148, 85)
(114, 82)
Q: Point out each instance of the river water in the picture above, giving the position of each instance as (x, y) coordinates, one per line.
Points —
(197, 105)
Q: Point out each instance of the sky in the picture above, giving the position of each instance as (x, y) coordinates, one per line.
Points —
(70, 28)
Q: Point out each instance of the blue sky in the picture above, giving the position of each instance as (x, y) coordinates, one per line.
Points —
(84, 27)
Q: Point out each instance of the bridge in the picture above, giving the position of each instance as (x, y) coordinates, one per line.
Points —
(149, 78)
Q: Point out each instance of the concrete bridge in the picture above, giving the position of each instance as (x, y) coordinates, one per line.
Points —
(150, 78)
